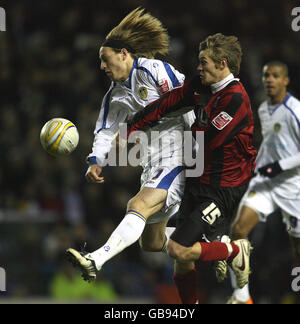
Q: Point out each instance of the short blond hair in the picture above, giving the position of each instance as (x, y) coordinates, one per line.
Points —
(143, 33)
(224, 47)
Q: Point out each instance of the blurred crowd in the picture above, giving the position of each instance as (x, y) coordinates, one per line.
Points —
(49, 67)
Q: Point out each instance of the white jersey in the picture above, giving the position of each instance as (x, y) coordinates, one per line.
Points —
(281, 139)
(148, 80)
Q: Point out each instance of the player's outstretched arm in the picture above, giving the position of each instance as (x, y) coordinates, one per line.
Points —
(175, 103)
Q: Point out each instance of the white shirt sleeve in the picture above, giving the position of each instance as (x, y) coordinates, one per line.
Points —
(159, 77)
(290, 162)
(293, 161)
(164, 77)
(114, 111)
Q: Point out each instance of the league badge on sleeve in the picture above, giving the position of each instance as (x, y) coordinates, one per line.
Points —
(222, 120)
(163, 86)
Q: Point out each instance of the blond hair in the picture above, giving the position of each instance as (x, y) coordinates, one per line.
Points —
(144, 34)
(222, 47)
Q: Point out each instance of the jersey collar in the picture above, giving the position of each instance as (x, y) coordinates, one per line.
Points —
(272, 109)
(127, 83)
(216, 87)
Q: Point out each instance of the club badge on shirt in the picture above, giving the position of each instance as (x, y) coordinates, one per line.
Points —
(222, 120)
(143, 92)
(277, 127)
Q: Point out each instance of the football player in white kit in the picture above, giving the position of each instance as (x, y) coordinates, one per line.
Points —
(138, 79)
(277, 183)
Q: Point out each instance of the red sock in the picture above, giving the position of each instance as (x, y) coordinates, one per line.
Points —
(216, 251)
(187, 286)
(235, 251)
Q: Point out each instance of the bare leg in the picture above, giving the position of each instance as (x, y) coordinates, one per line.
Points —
(245, 221)
(154, 237)
(147, 202)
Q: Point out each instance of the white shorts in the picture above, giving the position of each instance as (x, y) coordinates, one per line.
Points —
(264, 201)
(170, 178)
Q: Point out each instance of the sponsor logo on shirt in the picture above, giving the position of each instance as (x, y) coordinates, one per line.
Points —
(222, 120)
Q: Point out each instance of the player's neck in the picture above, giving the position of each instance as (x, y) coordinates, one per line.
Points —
(127, 70)
(277, 99)
(221, 83)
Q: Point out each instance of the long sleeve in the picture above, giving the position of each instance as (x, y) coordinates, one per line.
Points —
(114, 111)
(290, 162)
(174, 103)
(293, 161)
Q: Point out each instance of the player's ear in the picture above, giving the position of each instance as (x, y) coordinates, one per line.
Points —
(124, 53)
(286, 81)
(223, 64)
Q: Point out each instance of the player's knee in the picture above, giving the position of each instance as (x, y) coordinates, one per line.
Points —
(173, 252)
(177, 252)
(136, 204)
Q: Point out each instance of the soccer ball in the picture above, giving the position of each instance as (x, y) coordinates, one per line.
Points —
(59, 137)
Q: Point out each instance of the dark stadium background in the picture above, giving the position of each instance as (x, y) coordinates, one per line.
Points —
(49, 67)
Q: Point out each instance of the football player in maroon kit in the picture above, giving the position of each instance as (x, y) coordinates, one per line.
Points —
(224, 115)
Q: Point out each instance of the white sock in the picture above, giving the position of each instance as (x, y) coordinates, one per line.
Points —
(168, 233)
(128, 232)
(243, 294)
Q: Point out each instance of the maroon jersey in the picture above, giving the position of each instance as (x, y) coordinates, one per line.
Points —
(227, 120)
(229, 155)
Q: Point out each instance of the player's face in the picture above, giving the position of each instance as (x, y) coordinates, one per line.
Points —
(209, 72)
(113, 64)
(274, 80)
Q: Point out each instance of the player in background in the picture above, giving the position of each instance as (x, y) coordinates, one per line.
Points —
(127, 57)
(210, 201)
(277, 183)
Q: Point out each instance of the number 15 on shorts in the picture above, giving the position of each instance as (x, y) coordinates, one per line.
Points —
(211, 213)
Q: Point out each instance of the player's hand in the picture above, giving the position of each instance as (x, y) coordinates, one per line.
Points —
(271, 170)
(93, 173)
